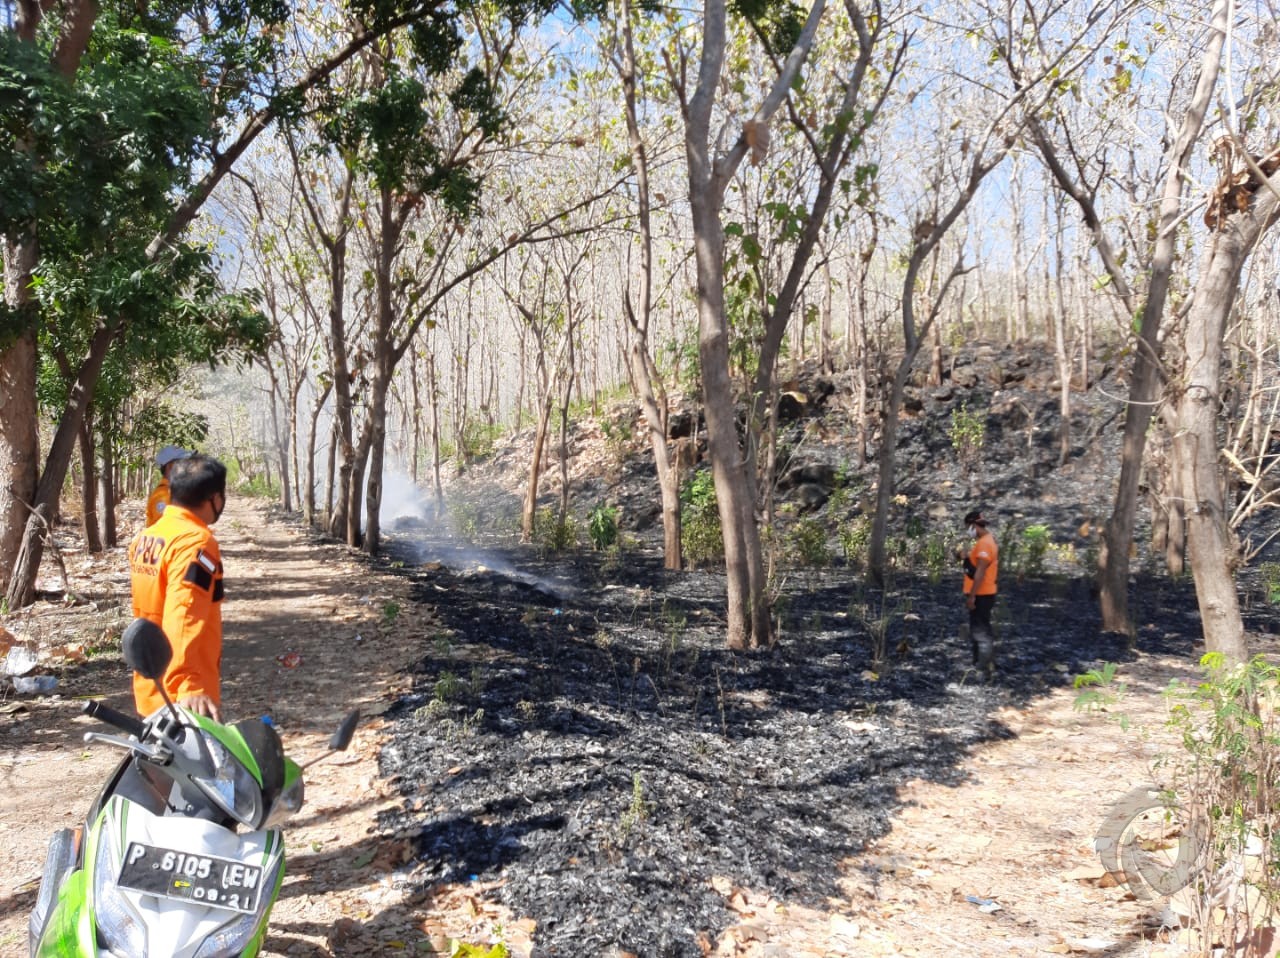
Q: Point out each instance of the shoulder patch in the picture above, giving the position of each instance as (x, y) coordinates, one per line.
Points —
(198, 576)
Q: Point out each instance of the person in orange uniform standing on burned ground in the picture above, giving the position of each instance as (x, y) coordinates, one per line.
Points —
(176, 574)
(981, 570)
(159, 497)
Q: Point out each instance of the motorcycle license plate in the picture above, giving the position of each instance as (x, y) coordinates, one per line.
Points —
(204, 879)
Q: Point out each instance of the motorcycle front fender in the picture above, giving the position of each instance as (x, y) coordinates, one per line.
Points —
(69, 932)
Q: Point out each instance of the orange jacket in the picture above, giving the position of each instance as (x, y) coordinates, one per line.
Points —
(176, 573)
(156, 502)
(984, 547)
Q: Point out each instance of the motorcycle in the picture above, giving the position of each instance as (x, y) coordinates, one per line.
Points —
(181, 854)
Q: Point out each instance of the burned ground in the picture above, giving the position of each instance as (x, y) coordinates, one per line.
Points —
(575, 740)
(579, 733)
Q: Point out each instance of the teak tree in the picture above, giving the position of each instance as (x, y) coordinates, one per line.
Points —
(710, 171)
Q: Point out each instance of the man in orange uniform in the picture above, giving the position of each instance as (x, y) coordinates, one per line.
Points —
(159, 497)
(176, 573)
(981, 569)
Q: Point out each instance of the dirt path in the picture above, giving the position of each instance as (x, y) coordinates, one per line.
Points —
(312, 632)
(290, 600)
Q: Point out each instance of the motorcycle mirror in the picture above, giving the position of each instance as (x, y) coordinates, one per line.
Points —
(342, 737)
(146, 649)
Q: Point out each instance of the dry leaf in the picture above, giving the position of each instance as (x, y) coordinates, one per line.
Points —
(1092, 872)
(757, 137)
(738, 902)
(844, 927)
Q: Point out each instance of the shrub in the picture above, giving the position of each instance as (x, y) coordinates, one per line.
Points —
(937, 553)
(700, 535)
(551, 534)
(855, 540)
(1270, 577)
(968, 433)
(617, 434)
(466, 519)
(1227, 772)
(602, 526)
(844, 489)
(1206, 832)
(478, 439)
(807, 544)
(1035, 540)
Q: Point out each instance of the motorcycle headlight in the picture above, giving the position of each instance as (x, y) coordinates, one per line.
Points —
(234, 938)
(121, 928)
(231, 786)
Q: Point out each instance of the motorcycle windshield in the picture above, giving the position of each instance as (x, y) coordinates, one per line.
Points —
(246, 766)
(230, 785)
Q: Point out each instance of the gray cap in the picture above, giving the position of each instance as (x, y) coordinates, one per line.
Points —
(171, 454)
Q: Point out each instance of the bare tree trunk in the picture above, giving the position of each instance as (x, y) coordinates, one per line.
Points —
(565, 399)
(1021, 294)
(826, 362)
(1211, 546)
(861, 353)
(277, 440)
(22, 588)
(935, 356)
(913, 334)
(1175, 515)
(437, 481)
(1113, 568)
(732, 466)
(19, 437)
(89, 486)
(309, 486)
(21, 481)
(1061, 353)
(535, 469)
(107, 485)
(374, 439)
(645, 376)
(330, 479)
(295, 468)
(415, 444)
(342, 442)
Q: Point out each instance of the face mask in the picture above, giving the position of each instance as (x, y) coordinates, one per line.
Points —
(973, 532)
(217, 510)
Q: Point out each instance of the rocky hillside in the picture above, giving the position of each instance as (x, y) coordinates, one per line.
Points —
(986, 437)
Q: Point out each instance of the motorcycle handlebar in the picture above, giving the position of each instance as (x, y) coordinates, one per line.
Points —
(105, 713)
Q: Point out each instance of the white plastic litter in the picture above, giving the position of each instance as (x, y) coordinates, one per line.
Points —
(19, 661)
(35, 683)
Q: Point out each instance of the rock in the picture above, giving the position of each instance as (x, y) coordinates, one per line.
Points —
(811, 497)
(682, 424)
(792, 406)
(810, 473)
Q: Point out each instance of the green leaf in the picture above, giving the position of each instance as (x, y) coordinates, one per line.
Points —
(463, 950)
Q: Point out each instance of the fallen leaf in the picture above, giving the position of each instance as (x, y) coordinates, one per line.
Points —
(1091, 946)
(738, 902)
(844, 927)
(1092, 872)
